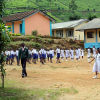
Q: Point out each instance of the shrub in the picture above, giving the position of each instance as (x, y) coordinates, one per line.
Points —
(82, 42)
(15, 34)
(71, 41)
(34, 33)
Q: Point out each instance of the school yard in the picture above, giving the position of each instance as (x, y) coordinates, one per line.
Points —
(68, 80)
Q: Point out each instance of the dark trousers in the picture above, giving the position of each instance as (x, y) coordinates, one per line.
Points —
(23, 62)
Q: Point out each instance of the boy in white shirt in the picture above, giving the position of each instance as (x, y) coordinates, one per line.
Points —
(17, 51)
(58, 54)
(50, 53)
(34, 55)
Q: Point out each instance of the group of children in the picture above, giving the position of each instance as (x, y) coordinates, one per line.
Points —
(48, 54)
(43, 54)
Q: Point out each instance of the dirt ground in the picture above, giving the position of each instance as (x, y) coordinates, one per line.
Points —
(63, 75)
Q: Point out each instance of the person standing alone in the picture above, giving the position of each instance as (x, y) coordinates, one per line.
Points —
(24, 56)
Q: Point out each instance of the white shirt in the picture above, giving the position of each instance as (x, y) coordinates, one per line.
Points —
(34, 51)
(9, 53)
(57, 50)
(6, 53)
(42, 51)
(12, 52)
(17, 52)
(50, 51)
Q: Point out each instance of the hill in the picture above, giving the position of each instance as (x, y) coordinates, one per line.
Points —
(57, 8)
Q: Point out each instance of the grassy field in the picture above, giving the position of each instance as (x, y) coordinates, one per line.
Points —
(17, 91)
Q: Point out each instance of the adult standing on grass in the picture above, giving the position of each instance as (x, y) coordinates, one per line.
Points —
(24, 56)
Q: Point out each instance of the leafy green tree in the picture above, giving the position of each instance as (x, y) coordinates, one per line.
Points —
(90, 17)
(72, 5)
(4, 40)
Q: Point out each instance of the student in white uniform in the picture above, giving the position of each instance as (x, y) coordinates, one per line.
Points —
(58, 54)
(12, 56)
(50, 53)
(96, 67)
(66, 53)
(62, 54)
(89, 53)
(72, 54)
(17, 51)
(42, 55)
(30, 55)
(9, 54)
(37, 55)
(82, 52)
(34, 55)
(94, 51)
(7, 57)
(77, 54)
(45, 52)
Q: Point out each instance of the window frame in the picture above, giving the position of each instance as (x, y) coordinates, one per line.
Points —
(90, 34)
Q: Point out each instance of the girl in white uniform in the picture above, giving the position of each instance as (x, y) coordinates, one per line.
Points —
(89, 54)
(94, 51)
(96, 67)
(66, 54)
(72, 54)
(62, 54)
(82, 52)
(77, 54)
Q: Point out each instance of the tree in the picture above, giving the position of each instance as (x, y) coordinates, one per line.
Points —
(4, 39)
(90, 17)
(72, 5)
(74, 17)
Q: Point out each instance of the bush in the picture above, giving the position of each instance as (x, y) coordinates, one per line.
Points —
(82, 42)
(71, 41)
(34, 33)
(14, 34)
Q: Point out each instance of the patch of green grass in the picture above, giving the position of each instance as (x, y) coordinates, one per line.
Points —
(13, 92)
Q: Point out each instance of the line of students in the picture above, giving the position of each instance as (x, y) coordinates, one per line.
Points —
(49, 54)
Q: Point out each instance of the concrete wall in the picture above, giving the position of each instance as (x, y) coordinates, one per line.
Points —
(79, 34)
(17, 26)
(37, 22)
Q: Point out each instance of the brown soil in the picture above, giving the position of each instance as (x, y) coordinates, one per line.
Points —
(65, 74)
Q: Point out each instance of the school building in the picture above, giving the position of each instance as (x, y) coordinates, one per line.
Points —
(26, 22)
(91, 33)
(68, 29)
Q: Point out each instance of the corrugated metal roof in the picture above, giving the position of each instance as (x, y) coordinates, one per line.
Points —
(94, 24)
(69, 24)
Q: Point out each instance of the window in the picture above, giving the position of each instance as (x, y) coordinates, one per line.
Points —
(90, 34)
(9, 28)
(69, 33)
(99, 34)
(59, 33)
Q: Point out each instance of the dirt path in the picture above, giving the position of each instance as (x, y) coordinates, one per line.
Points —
(64, 75)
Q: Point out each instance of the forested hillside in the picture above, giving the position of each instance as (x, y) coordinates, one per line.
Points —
(58, 8)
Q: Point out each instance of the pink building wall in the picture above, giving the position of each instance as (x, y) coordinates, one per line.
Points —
(7, 24)
(37, 22)
(16, 26)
